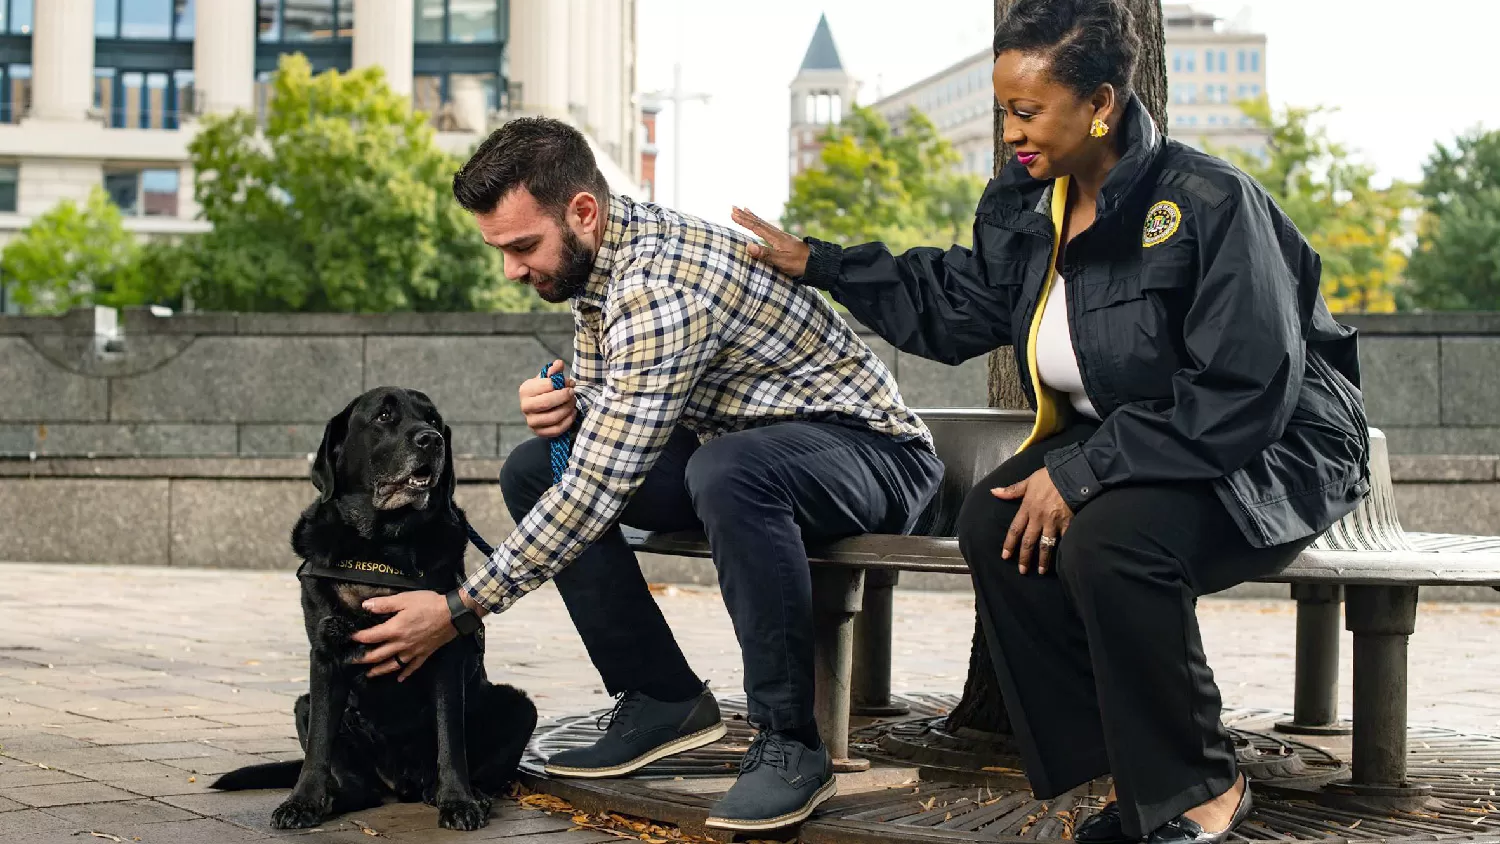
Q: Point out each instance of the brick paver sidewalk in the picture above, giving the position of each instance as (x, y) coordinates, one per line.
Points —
(123, 691)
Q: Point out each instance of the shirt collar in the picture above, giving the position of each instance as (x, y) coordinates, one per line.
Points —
(611, 244)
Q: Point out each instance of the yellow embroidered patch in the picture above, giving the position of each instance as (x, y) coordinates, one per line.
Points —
(1161, 223)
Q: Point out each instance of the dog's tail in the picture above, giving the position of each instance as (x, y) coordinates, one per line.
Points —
(269, 775)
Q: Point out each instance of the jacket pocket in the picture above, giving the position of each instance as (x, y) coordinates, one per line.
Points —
(1133, 286)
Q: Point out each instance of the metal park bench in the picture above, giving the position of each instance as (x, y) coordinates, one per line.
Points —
(1366, 565)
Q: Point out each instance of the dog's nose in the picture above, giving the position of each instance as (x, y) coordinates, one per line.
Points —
(427, 438)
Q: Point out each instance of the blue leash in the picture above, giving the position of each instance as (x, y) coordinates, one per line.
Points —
(558, 448)
(561, 445)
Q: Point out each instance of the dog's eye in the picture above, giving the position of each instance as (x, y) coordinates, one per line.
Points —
(385, 416)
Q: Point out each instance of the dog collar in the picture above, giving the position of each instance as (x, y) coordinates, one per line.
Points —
(370, 572)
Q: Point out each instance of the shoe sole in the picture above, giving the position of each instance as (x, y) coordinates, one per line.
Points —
(788, 819)
(671, 748)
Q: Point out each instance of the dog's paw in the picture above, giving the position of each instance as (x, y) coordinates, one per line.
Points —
(464, 814)
(296, 813)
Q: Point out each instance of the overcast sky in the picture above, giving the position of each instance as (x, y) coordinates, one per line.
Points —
(1405, 77)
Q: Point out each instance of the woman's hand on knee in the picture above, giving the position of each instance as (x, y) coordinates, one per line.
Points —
(1039, 526)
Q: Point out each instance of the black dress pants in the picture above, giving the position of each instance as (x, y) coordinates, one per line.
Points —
(758, 494)
(1099, 660)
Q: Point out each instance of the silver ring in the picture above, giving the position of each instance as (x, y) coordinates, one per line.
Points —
(399, 662)
(1048, 541)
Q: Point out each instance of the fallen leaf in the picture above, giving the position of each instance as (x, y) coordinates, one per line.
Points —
(106, 836)
(367, 829)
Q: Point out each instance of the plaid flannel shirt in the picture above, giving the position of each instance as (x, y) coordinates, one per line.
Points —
(678, 325)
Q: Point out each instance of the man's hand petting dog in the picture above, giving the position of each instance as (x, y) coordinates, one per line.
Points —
(420, 623)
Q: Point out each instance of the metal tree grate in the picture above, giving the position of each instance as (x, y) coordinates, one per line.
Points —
(1463, 771)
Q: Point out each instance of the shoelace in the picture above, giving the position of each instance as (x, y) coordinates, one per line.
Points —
(624, 703)
(764, 749)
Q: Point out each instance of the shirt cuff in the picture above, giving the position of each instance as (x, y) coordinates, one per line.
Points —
(1073, 476)
(823, 261)
(492, 587)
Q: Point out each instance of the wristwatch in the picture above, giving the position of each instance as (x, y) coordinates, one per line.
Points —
(464, 620)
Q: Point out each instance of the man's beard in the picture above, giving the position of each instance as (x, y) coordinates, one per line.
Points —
(577, 266)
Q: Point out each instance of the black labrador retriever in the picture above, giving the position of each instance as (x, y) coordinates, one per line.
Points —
(385, 522)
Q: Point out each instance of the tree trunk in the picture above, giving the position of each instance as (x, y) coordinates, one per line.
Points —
(982, 708)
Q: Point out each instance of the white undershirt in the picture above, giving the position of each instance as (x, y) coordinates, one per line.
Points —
(1056, 362)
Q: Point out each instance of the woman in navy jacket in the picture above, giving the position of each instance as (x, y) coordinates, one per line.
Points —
(1199, 421)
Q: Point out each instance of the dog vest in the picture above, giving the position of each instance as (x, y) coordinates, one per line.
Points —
(369, 572)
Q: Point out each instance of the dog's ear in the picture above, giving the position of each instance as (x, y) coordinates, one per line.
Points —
(325, 465)
(449, 479)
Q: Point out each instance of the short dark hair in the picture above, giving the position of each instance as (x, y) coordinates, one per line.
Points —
(1089, 42)
(549, 158)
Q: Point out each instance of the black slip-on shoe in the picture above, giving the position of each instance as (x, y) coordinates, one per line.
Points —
(1184, 830)
(1103, 827)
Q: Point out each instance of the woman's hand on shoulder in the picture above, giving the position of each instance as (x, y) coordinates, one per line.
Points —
(779, 249)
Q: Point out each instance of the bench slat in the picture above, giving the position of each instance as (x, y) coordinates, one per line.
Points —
(1440, 560)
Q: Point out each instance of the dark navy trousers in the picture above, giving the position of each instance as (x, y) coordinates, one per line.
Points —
(758, 495)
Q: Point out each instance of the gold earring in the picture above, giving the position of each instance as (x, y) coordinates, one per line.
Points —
(1098, 129)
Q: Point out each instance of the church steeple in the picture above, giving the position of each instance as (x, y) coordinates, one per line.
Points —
(821, 93)
(821, 53)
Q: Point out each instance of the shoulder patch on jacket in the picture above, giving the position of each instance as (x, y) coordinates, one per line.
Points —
(1161, 223)
(1195, 185)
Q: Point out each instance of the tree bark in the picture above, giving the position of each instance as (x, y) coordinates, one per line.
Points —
(982, 708)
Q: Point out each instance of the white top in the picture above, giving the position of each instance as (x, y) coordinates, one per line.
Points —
(1056, 362)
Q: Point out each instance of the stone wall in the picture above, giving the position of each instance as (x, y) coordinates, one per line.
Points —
(1432, 381)
(190, 446)
(263, 385)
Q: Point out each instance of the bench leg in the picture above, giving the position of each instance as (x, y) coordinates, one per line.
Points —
(1317, 673)
(871, 691)
(1381, 618)
(838, 594)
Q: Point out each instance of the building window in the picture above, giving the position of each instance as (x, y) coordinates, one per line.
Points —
(9, 178)
(458, 21)
(429, 25)
(144, 20)
(304, 21)
(1223, 61)
(137, 99)
(431, 92)
(106, 18)
(1255, 61)
(15, 16)
(183, 20)
(144, 193)
(15, 92)
(124, 190)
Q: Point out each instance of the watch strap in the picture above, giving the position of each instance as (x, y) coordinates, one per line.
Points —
(465, 621)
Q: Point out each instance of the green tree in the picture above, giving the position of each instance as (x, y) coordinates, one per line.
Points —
(876, 182)
(341, 202)
(1356, 227)
(1456, 265)
(73, 256)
